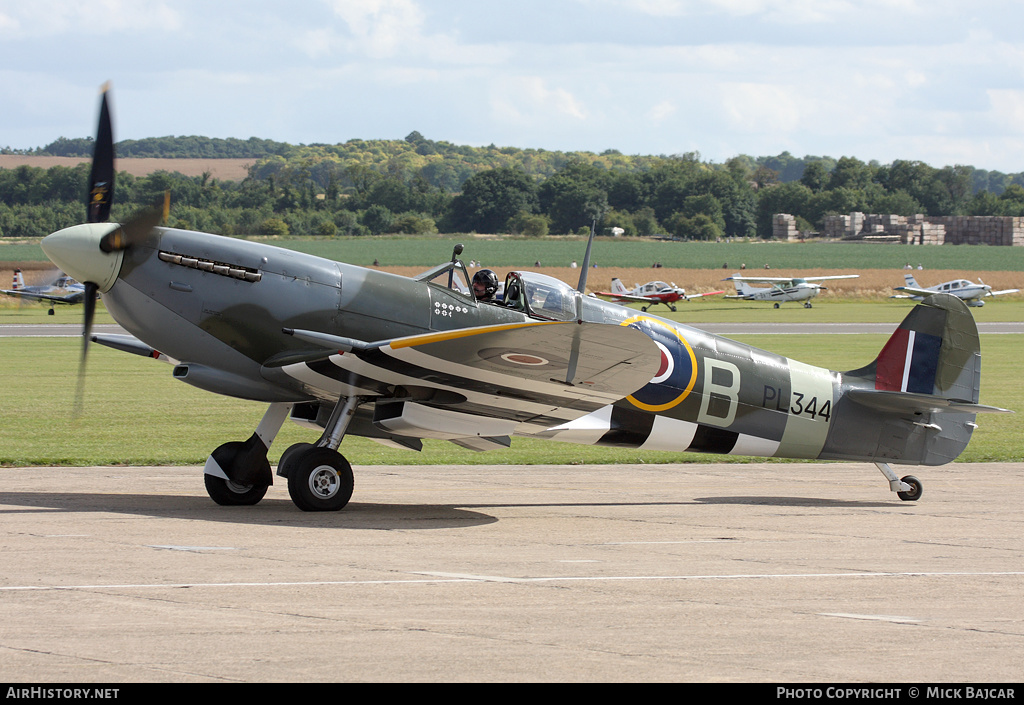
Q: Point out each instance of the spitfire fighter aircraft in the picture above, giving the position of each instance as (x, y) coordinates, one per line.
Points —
(62, 290)
(971, 293)
(649, 294)
(782, 289)
(349, 350)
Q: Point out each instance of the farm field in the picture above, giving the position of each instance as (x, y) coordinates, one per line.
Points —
(636, 253)
(226, 169)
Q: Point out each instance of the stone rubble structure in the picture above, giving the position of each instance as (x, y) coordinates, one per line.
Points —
(925, 230)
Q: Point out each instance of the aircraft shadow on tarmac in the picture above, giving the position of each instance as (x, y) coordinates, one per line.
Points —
(802, 502)
(358, 515)
(269, 512)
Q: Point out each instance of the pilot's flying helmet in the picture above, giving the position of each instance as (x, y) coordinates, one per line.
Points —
(488, 279)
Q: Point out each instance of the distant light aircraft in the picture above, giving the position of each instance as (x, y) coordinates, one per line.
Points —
(971, 293)
(651, 293)
(346, 350)
(782, 289)
(63, 290)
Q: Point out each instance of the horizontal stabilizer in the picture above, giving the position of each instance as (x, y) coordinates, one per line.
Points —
(918, 403)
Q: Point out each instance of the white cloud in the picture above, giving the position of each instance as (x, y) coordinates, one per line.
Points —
(661, 112)
(528, 100)
(381, 28)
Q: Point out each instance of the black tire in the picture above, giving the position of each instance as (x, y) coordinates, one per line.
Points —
(231, 494)
(915, 489)
(776, 305)
(320, 480)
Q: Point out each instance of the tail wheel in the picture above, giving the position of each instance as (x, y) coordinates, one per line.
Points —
(915, 489)
(319, 480)
(232, 494)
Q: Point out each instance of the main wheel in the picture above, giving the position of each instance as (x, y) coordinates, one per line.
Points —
(776, 305)
(231, 494)
(320, 480)
(915, 489)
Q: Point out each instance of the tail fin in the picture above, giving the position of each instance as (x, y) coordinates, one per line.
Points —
(911, 281)
(742, 288)
(618, 287)
(923, 387)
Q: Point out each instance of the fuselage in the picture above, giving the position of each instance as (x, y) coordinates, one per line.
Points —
(796, 292)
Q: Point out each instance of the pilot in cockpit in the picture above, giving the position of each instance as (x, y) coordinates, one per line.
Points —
(485, 283)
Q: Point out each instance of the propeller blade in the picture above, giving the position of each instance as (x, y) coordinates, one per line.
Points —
(101, 177)
(133, 231)
(89, 306)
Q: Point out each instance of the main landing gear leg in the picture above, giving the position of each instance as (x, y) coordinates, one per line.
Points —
(908, 489)
(319, 477)
(238, 473)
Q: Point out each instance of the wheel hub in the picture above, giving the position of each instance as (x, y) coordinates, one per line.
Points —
(324, 482)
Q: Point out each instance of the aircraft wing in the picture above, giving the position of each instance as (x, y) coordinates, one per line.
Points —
(516, 371)
(761, 280)
(915, 291)
(833, 276)
(1004, 291)
(706, 293)
(596, 359)
(624, 297)
(74, 297)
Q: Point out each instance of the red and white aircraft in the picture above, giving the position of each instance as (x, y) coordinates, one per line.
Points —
(649, 294)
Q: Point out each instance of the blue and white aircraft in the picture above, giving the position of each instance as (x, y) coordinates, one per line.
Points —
(971, 293)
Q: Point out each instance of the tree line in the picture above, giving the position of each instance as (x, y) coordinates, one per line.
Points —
(417, 186)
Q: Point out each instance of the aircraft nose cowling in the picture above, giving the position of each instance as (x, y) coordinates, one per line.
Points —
(76, 250)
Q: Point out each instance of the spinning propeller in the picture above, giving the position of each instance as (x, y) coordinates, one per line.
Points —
(76, 245)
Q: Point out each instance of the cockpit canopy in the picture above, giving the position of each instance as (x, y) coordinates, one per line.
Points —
(540, 296)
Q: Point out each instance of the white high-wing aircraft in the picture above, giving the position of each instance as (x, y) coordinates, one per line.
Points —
(971, 293)
(781, 289)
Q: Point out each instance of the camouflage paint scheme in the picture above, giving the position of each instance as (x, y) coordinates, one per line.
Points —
(354, 350)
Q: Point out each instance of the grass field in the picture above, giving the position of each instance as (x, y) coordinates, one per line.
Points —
(136, 414)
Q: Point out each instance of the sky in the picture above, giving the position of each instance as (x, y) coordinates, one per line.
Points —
(938, 81)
